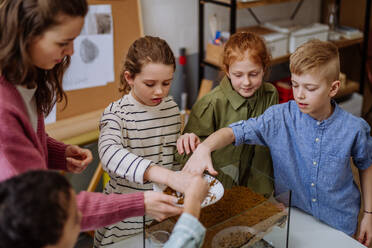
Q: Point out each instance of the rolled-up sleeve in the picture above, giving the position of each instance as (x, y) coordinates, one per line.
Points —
(255, 130)
(238, 131)
(362, 150)
(188, 233)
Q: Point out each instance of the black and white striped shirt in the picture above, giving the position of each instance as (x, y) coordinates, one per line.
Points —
(133, 136)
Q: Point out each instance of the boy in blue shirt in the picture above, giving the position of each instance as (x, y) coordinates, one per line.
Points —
(311, 140)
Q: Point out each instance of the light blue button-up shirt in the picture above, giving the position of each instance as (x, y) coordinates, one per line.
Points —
(187, 233)
(312, 158)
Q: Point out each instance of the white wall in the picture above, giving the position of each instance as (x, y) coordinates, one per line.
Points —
(173, 20)
(176, 21)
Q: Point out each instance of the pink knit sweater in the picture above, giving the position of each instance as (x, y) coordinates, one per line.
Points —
(21, 149)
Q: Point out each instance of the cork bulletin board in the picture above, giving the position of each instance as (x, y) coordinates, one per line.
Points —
(127, 26)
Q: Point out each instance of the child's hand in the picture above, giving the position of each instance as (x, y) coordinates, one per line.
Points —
(187, 142)
(179, 180)
(160, 206)
(200, 161)
(365, 233)
(195, 195)
(77, 158)
(197, 189)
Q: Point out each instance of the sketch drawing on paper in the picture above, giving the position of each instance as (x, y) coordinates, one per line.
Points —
(92, 64)
(88, 51)
(97, 23)
(103, 23)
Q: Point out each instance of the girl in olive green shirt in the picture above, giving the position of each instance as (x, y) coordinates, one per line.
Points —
(242, 94)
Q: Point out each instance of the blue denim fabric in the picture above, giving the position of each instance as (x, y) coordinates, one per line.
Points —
(188, 233)
(312, 159)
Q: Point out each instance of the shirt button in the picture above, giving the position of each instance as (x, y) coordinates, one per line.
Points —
(314, 163)
(317, 139)
(314, 200)
(318, 123)
(312, 184)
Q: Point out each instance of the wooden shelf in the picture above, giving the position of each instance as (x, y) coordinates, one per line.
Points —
(347, 42)
(241, 5)
(252, 4)
(275, 61)
(351, 87)
(340, 44)
(280, 60)
(213, 59)
(212, 63)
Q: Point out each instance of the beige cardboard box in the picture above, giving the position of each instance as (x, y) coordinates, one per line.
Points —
(214, 54)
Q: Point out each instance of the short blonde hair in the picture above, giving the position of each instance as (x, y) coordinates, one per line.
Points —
(242, 42)
(316, 56)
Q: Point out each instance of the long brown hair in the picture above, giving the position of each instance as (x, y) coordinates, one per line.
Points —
(20, 22)
(143, 51)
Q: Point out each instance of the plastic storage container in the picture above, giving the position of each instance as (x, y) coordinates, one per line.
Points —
(315, 31)
(275, 41)
(242, 218)
(283, 26)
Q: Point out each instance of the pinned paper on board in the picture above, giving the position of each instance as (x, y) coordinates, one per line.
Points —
(92, 63)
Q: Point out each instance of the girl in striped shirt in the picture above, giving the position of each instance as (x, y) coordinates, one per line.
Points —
(138, 133)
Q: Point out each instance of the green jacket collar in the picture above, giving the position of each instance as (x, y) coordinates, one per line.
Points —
(235, 99)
